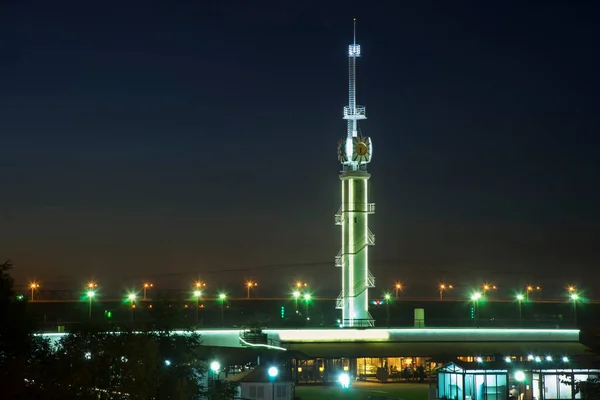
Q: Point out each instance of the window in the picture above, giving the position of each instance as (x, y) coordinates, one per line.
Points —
(281, 391)
(256, 392)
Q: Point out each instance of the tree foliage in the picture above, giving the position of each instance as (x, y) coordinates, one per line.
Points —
(94, 363)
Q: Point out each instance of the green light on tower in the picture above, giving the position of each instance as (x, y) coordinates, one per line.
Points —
(282, 312)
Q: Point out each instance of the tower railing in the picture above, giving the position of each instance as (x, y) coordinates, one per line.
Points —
(371, 208)
(339, 302)
(339, 259)
(370, 280)
(370, 238)
(358, 112)
(339, 216)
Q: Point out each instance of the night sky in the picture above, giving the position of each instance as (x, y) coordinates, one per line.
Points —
(171, 140)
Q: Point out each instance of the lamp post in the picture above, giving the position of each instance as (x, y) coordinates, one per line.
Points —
(90, 295)
(273, 372)
(574, 297)
(214, 368)
(486, 288)
(146, 286)
(33, 286)
(520, 299)
(387, 308)
(300, 284)
(397, 287)
(250, 285)
(197, 295)
(475, 298)
(222, 297)
(530, 289)
(131, 298)
(306, 300)
(443, 287)
(296, 295)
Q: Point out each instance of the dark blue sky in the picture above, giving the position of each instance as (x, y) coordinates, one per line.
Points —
(174, 139)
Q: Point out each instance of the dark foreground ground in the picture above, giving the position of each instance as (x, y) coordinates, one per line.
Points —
(362, 391)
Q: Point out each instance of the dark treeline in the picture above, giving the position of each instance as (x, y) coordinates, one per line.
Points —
(93, 364)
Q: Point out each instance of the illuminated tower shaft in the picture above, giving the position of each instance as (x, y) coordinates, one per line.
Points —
(354, 153)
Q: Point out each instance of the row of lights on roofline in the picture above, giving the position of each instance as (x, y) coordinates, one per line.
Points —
(529, 358)
(571, 290)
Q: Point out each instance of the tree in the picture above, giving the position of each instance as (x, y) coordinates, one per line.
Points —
(16, 337)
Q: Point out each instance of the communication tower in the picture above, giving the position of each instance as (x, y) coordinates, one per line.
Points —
(354, 153)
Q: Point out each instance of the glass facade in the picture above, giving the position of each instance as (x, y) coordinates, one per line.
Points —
(474, 382)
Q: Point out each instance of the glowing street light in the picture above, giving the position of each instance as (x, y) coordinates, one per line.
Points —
(33, 286)
(300, 284)
(529, 289)
(574, 297)
(475, 297)
(197, 295)
(487, 287)
(90, 295)
(520, 299)
(296, 295)
(571, 289)
(397, 287)
(199, 284)
(387, 298)
(222, 297)
(146, 286)
(92, 285)
(273, 372)
(131, 297)
(443, 287)
(250, 285)
(215, 367)
(307, 298)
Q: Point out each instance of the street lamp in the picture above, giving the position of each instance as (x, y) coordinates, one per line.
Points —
(273, 372)
(487, 287)
(571, 289)
(33, 286)
(90, 295)
(306, 300)
(520, 299)
(475, 298)
(199, 284)
(300, 284)
(146, 286)
(575, 298)
(387, 298)
(250, 285)
(397, 287)
(131, 298)
(529, 289)
(215, 367)
(443, 287)
(197, 295)
(296, 295)
(222, 297)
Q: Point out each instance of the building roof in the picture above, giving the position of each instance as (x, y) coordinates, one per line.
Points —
(258, 374)
(447, 350)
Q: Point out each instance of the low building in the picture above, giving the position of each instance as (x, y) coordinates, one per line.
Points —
(535, 378)
(258, 384)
